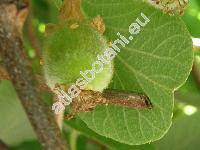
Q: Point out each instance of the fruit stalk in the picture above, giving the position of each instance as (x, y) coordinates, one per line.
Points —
(88, 100)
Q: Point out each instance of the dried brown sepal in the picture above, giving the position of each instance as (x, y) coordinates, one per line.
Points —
(98, 24)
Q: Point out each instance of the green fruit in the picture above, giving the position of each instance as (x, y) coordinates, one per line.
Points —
(68, 51)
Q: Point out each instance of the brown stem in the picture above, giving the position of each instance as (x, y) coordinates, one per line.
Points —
(127, 99)
(12, 16)
(88, 100)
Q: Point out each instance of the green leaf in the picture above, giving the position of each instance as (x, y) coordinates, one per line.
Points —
(14, 124)
(156, 62)
(113, 145)
(191, 18)
(183, 135)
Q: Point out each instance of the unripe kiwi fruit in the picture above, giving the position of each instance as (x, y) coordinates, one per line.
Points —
(68, 50)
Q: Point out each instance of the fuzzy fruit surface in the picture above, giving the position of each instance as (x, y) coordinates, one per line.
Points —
(68, 51)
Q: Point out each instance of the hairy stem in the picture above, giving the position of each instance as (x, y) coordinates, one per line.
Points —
(88, 100)
(12, 16)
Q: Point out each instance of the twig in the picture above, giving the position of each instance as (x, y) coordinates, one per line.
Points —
(88, 100)
(19, 70)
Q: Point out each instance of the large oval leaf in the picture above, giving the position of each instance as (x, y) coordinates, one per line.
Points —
(156, 62)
